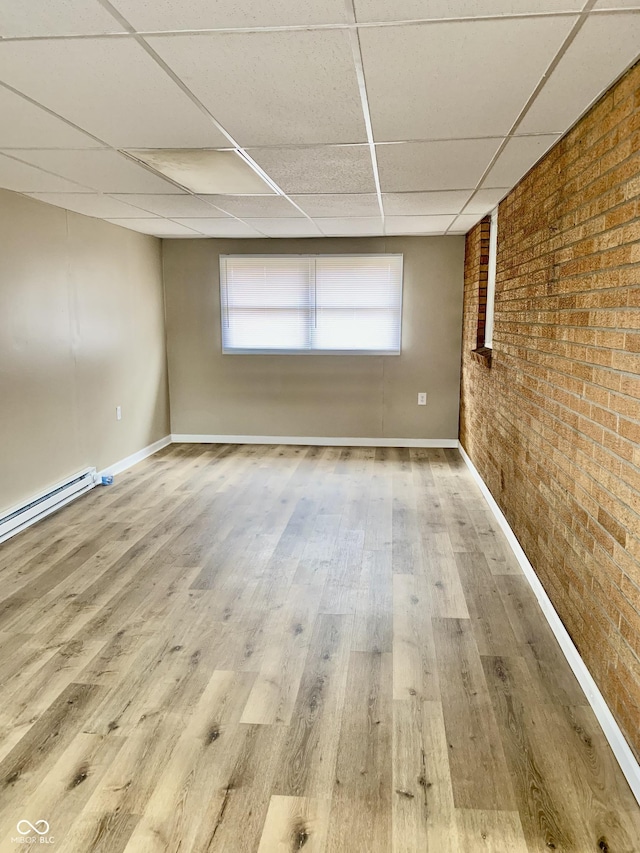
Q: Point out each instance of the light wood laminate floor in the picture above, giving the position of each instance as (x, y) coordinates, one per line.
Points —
(277, 649)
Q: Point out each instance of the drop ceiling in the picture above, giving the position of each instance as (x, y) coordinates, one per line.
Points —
(336, 117)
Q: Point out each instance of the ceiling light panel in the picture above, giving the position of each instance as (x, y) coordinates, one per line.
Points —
(318, 169)
(417, 224)
(425, 203)
(457, 79)
(369, 226)
(425, 10)
(205, 172)
(338, 206)
(100, 169)
(419, 166)
(172, 206)
(20, 18)
(272, 88)
(220, 227)
(155, 227)
(21, 177)
(274, 206)
(25, 125)
(90, 204)
(176, 15)
(110, 88)
(601, 51)
(517, 157)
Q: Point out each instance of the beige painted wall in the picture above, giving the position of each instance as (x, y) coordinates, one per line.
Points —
(81, 331)
(316, 395)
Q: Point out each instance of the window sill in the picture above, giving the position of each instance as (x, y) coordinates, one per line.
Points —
(482, 355)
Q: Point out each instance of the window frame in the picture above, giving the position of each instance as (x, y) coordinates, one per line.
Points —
(491, 279)
(310, 257)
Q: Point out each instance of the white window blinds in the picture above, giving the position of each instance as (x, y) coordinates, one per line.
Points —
(311, 303)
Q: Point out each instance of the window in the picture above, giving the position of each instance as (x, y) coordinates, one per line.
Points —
(491, 279)
(311, 303)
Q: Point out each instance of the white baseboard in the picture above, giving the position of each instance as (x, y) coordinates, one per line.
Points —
(327, 441)
(138, 456)
(611, 729)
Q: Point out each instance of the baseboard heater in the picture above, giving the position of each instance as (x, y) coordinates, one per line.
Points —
(19, 517)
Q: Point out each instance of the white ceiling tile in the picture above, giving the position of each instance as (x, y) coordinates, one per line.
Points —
(416, 166)
(425, 204)
(48, 18)
(21, 177)
(518, 156)
(156, 227)
(90, 204)
(173, 15)
(338, 206)
(455, 79)
(255, 206)
(425, 10)
(465, 222)
(417, 224)
(172, 206)
(220, 227)
(25, 125)
(301, 227)
(602, 49)
(272, 88)
(318, 169)
(109, 87)
(485, 200)
(358, 226)
(101, 169)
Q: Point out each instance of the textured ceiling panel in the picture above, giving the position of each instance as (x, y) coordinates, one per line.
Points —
(172, 206)
(255, 206)
(406, 10)
(176, 15)
(425, 204)
(109, 87)
(55, 18)
(220, 227)
(25, 125)
(356, 226)
(157, 227)
(23, 178)
(518, 156)
(456, 79)
(301, 227)
(337, 206)
(320, 169)
(272, 88)
(434, 165)
(603, 48)
(91, 204)
(485, 200)
(103, 170)
(417, 224)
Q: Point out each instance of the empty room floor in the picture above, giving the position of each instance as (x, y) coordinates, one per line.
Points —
(244, 648)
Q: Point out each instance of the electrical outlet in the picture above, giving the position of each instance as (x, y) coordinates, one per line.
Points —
(422, 398)
(118, 413)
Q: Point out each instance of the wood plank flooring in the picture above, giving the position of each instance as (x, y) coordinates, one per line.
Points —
(273, 649)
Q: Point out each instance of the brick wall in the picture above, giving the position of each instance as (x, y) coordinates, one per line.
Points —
(553, 426)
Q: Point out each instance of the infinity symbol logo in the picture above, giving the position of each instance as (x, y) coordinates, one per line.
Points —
(41, 827)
